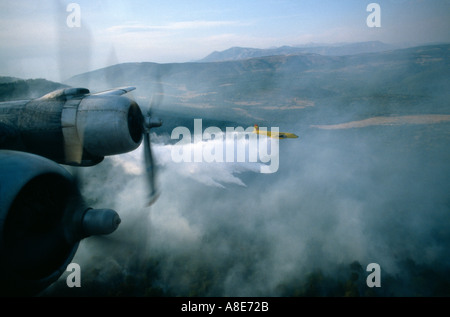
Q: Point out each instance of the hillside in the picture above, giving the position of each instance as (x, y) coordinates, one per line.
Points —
(305, 89)
(12, 88)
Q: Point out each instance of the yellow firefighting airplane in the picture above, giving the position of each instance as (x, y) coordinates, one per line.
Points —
(275, 135)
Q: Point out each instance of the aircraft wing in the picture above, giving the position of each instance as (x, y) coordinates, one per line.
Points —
(8, 135)
(115, 92)
(275, 135)
(284, 135)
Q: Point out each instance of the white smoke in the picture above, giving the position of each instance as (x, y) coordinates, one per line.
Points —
(333, 201)
(211, 174)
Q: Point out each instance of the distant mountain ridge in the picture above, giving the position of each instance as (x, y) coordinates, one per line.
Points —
(307, 87)
(240, 53)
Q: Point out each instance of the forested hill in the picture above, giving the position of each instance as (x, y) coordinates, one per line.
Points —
(12, 88)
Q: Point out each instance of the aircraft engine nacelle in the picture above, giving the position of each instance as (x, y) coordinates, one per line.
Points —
(109, 125)
(72, 126)
(42, 220)
(102, 126)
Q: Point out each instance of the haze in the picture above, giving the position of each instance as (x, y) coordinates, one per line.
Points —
(37, 43)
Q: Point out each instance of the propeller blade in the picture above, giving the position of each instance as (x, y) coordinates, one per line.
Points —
(158, 96)
(150, 170)
(151, 122)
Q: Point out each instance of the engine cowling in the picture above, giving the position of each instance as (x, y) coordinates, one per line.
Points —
(99, 125)
(109, 125)
(74, 127)
(42, 219)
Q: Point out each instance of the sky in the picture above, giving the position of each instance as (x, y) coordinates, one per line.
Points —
(37, 41)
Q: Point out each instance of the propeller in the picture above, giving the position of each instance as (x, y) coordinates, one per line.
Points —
(150, 122)
(150, 167)
(135, 240)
